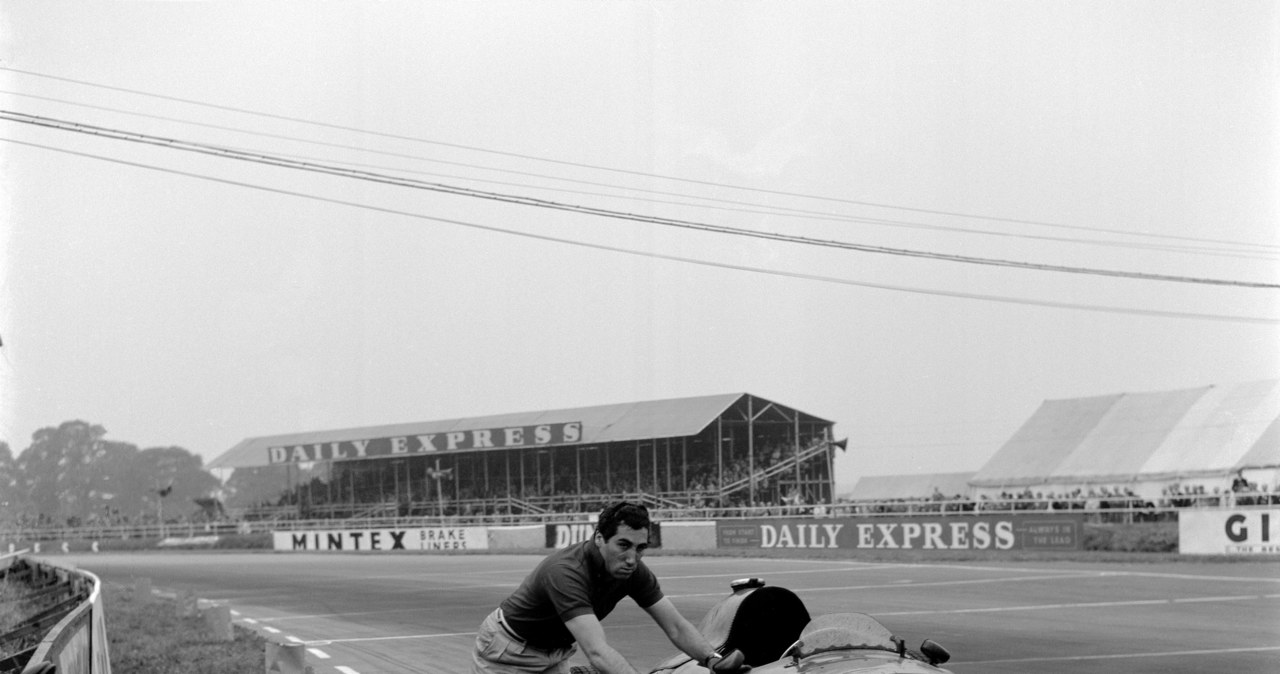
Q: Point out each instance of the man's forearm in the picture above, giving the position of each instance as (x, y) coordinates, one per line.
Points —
(689, 640)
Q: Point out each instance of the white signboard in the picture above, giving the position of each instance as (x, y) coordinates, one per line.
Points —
(1229, 532)
(383, 540)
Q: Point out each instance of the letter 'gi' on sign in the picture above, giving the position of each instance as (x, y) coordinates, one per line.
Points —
(452, 441)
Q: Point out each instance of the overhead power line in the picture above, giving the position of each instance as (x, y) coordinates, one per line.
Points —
(272, 160)
(595, 167)
(1237, 250)
(674, 258)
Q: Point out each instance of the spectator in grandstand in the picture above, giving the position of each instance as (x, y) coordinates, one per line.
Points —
(558, 607)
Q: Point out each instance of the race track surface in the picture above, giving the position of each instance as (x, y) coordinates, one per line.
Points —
(403, 613)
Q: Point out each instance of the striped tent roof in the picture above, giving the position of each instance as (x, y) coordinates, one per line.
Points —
(1206, 431)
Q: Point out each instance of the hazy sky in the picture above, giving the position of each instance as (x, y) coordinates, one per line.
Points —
(1134, 137)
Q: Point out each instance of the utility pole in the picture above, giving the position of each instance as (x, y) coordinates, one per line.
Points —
(162, 492)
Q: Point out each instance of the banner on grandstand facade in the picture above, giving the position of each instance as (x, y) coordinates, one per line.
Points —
(430, 539)
(915, 533)
(564, 535)
(509, 437)
(1229, 532)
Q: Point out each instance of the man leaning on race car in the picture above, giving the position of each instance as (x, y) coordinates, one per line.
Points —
(558, 607)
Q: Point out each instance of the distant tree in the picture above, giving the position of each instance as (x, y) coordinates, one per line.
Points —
(12, 500)
(57, 473)
(73, 475)
(116, 492)
(174, 480)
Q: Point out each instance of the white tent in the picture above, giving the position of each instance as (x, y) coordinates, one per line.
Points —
(1142, 441)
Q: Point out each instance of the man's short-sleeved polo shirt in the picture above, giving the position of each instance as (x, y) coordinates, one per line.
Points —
(569, 583)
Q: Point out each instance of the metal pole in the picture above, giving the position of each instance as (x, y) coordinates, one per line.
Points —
(751, 451)
(720, 454)
(668, 450)
(684, 464)
(831, 478)
(653, 453)
(796, 445)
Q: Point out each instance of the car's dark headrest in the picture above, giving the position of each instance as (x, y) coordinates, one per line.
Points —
(768, 620)
(759, 621)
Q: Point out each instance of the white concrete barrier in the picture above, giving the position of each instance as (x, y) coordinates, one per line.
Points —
(287, 659)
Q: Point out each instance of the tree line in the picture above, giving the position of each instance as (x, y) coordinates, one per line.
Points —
(72, 475)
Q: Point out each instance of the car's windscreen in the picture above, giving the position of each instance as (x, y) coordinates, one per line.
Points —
(841, 631)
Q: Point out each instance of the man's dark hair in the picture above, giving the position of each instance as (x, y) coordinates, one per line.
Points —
(634, 515)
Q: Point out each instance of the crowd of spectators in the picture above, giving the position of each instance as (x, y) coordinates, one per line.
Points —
(1122, 498)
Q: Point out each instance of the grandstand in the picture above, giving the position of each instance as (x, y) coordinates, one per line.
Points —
(719, 451)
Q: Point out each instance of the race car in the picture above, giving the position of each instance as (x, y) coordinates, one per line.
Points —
(772, 629)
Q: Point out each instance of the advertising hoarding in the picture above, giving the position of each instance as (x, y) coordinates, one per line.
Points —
(430, 539)
(1237, 531)
(1011, 531)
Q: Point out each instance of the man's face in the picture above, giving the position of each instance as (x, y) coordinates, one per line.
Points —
(622, 552)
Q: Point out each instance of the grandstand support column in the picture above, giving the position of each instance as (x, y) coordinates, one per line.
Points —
(831, 478)
(751, 452)
(668, 450)
(408, 483)
(684, 464)
(395, 479)
(795, 443)
(638, 490)
(653, 452)
(507, 456)
(288, 478)
(720, 455)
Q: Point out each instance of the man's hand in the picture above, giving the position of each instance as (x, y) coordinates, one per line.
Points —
(733, 662)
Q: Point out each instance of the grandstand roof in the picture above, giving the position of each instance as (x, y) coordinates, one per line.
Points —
(885, 487)
(1206, 431)
(668, 418)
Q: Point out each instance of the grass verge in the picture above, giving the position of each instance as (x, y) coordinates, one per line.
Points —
(15, 607)
(148, 635)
